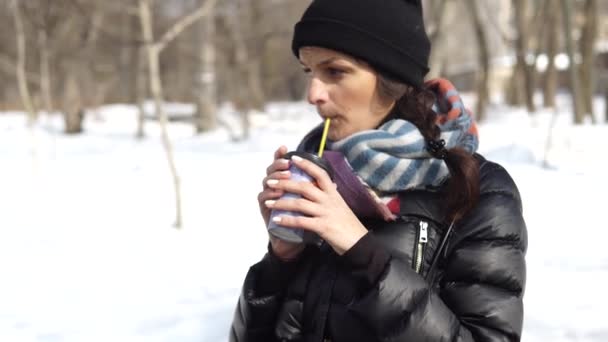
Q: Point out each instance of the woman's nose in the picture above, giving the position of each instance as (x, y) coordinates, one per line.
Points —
(317, 92)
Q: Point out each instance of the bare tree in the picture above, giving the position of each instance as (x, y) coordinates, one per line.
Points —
(72, 105)
(484, 60)
(604, 82)
(205, 85)
(20, 67)
(522, 85)
(574, 80)
(247, 92)
(550, 80)
(606, 102)
(587, 48)
(154, 48)
(45, 70)
(127, 57)
(435, 28)
(141, 90)
(80, 87)
(435, 21)
(45, 17)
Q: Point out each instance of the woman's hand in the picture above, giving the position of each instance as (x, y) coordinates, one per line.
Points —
(278, 170)
(329, 215)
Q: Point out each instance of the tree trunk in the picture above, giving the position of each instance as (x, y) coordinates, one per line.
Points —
(256, 14)
(140, 90)
(45, 70)
(158, 47)
(205, 91)
(251, 95)
(484, 61)
(587, 48)
(550, 80)
(126, 60)
(606, 104)
(138, 87)
(604, 82)
(90, 81)
(72, 104)
(574, 81)
(157, 92)
(21, 56)
(437, 57)
(438, 8)
(522, 76)
(249, 67)
(521, 88)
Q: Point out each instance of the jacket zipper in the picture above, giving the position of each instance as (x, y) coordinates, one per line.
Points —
(423, 238)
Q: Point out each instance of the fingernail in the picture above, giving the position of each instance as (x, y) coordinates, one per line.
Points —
(272, 182)
(285, 172)
(276, 219)
(269, 203)
(296, 158)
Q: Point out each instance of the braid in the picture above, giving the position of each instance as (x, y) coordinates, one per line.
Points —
(416, 106)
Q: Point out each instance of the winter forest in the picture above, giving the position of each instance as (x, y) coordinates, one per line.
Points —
(134, 136)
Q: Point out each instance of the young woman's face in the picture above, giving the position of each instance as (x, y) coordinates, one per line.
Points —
(343, 89)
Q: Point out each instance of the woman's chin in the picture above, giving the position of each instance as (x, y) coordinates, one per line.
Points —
(334, 136)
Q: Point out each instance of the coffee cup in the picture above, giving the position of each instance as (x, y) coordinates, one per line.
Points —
(296, 235)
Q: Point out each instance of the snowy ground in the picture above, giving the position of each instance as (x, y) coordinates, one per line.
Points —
(87, 251)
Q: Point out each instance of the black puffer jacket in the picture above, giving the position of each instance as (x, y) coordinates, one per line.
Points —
(380, 290)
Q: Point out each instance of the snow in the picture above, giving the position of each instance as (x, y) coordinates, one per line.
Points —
(88, 251)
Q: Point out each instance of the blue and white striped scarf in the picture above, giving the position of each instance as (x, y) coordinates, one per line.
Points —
(394, 157)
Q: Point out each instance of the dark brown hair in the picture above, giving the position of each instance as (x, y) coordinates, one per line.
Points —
(415, 106)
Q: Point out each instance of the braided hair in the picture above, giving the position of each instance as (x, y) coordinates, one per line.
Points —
(415, 105)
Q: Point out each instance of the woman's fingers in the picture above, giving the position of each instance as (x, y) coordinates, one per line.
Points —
(278, 165)
(270, 194)
(275, 175)
(304, 222)
(316, 172)
(263, 197)
(300, 205)
(305, 189)
(280, 152)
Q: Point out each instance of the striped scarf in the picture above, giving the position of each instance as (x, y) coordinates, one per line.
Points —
(394, 157)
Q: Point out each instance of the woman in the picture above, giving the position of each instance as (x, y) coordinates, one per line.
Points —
(430, 244)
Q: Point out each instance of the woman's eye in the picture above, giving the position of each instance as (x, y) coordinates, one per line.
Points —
(335, 72)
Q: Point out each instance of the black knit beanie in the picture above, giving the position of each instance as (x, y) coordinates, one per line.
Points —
(388, 34)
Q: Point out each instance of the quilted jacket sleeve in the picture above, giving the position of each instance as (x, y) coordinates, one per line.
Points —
(480, 295)
(261, 296)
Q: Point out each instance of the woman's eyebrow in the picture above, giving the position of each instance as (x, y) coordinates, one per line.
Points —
(322, 63)
(328, 61)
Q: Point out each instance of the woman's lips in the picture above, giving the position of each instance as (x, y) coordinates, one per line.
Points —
(329, 116)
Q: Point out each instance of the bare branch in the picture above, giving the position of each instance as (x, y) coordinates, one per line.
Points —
(184, 23)
(156, 88)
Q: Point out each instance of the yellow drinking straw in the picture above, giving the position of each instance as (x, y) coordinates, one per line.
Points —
(324, 137)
